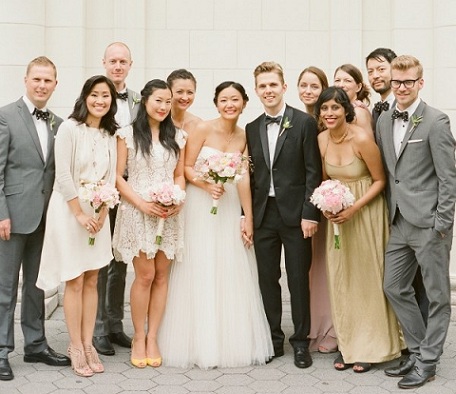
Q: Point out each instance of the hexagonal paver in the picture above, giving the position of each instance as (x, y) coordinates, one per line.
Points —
(268, 386)
(334, 386)
(103, 389)
(137, 384)
(169, 390)
(201, 374)
(202, 385)
(171, 379)
(235, 390)
(299, 380)
(266, 373)
(37, 388)
(235, 380)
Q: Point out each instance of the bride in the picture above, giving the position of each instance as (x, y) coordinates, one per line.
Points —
(215, 315)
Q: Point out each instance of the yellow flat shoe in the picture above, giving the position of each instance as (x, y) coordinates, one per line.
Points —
(154, 362)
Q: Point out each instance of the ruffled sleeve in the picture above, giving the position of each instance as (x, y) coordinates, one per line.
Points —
(126, 133)
(181, 138)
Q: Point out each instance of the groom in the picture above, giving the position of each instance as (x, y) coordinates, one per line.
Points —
(283, 147)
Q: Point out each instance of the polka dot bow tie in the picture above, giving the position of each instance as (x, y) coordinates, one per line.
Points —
(398, 114)
(122, 96)
(44, 115)
(381, 106)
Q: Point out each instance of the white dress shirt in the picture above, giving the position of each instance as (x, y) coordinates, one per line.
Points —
(40, 125)
(123, 117)
(400, 126)
(273, 130)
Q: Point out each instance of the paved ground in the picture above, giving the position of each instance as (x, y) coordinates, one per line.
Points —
(280, 376)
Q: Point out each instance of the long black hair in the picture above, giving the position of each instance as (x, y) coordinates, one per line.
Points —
(229, 84)
(339, 96)
(80, 110)
(142, 136)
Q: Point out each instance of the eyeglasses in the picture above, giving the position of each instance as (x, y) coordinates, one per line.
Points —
(408, 83)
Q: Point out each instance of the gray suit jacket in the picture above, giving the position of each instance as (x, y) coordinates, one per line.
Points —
(26, 179)
(422, 179)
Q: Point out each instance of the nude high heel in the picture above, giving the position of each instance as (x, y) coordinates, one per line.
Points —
(92, 359)
(79, 363)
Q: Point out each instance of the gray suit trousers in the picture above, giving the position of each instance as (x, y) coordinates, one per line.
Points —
(25, 250)
(408, 247)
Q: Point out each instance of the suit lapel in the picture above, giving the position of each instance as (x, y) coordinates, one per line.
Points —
(28, 121)
(410, 128)
(264, 140)
(51, 135)
(288, 115)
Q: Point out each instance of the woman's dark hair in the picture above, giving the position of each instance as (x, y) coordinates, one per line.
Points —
(355, 73)
(339, 96)
(181, 73)
(80, 110)
(228, 84)
(142, 136)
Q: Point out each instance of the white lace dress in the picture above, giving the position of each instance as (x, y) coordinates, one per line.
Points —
(134, 231)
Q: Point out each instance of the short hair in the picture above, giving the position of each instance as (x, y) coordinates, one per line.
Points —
(339, 96)
(318, 72)
(382, 53)
(267, 67)
(181, 73)
(405, 62)
(355, 73)
(117, 43)
(228, 84)
(80, 110)
(41, 61)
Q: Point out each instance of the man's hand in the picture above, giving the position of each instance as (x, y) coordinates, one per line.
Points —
(5, 229)
(309, 228)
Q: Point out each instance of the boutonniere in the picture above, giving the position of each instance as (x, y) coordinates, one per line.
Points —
(52, 122)
(135, 100)
(285, 125)
(416, 120)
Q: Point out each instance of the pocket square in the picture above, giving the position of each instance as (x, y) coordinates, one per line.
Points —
(413, 141)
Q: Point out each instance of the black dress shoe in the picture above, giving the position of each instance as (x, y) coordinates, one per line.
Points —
(103, 345)
(417, 377)
(404, 367)
(277, 353)
(6, 373)
(302, 357)
(48, 356)
(120, 338)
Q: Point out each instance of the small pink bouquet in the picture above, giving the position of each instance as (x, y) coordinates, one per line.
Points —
(165, 194)
(221, 168)
(333, 196)
(99, 195)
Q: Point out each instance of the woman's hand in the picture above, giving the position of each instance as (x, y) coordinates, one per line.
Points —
(247, 231)
(153, 209)
(173, 210)
(90, 223)
(216, 190)
(340, 217)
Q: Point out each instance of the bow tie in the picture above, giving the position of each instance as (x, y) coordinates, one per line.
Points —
(41, 114)
(399, 114)
(381, 106)
(270, 119)
(122, 96)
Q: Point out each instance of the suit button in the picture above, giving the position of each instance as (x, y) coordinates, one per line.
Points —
(43, 191)
(396, 181)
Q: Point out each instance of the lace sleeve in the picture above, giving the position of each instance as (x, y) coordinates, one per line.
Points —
(126, 133)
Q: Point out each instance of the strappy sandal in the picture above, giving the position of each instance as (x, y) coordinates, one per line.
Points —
(362, 367)
(79, 362)
(343, 366)
(92, 359)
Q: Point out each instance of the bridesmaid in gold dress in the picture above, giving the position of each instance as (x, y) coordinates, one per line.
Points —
(311, 82)
(366, 327)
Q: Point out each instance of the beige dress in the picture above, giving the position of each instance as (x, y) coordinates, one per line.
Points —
(365, 324)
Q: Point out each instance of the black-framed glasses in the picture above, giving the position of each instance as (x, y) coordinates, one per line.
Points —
(408, 83)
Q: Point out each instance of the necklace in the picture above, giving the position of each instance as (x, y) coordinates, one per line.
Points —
(229, 138)
(341, 139)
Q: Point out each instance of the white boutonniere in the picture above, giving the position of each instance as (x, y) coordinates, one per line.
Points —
(416, 120)
(136, 100)
(52, 122)
(285, 125)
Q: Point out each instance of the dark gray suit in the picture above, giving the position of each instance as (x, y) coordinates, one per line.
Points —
(421, 194)
(26, 180)
(111, 279)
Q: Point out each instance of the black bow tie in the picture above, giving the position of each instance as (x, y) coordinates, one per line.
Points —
(122, 96)
(270, 119)
(399, 114)
(41, 114)
(381, 106)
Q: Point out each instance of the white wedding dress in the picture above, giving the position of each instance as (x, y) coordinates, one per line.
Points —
(214, 316)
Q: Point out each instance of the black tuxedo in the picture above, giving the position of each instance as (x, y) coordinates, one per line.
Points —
(296, 171)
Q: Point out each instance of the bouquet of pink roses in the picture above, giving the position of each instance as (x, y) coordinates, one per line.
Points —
(333, 196)
(220, 168)
(165, 194)
(99, 195)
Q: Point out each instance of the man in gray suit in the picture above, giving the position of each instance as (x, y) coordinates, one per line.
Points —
(417, 147)
(111, 280)
(27, 170)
